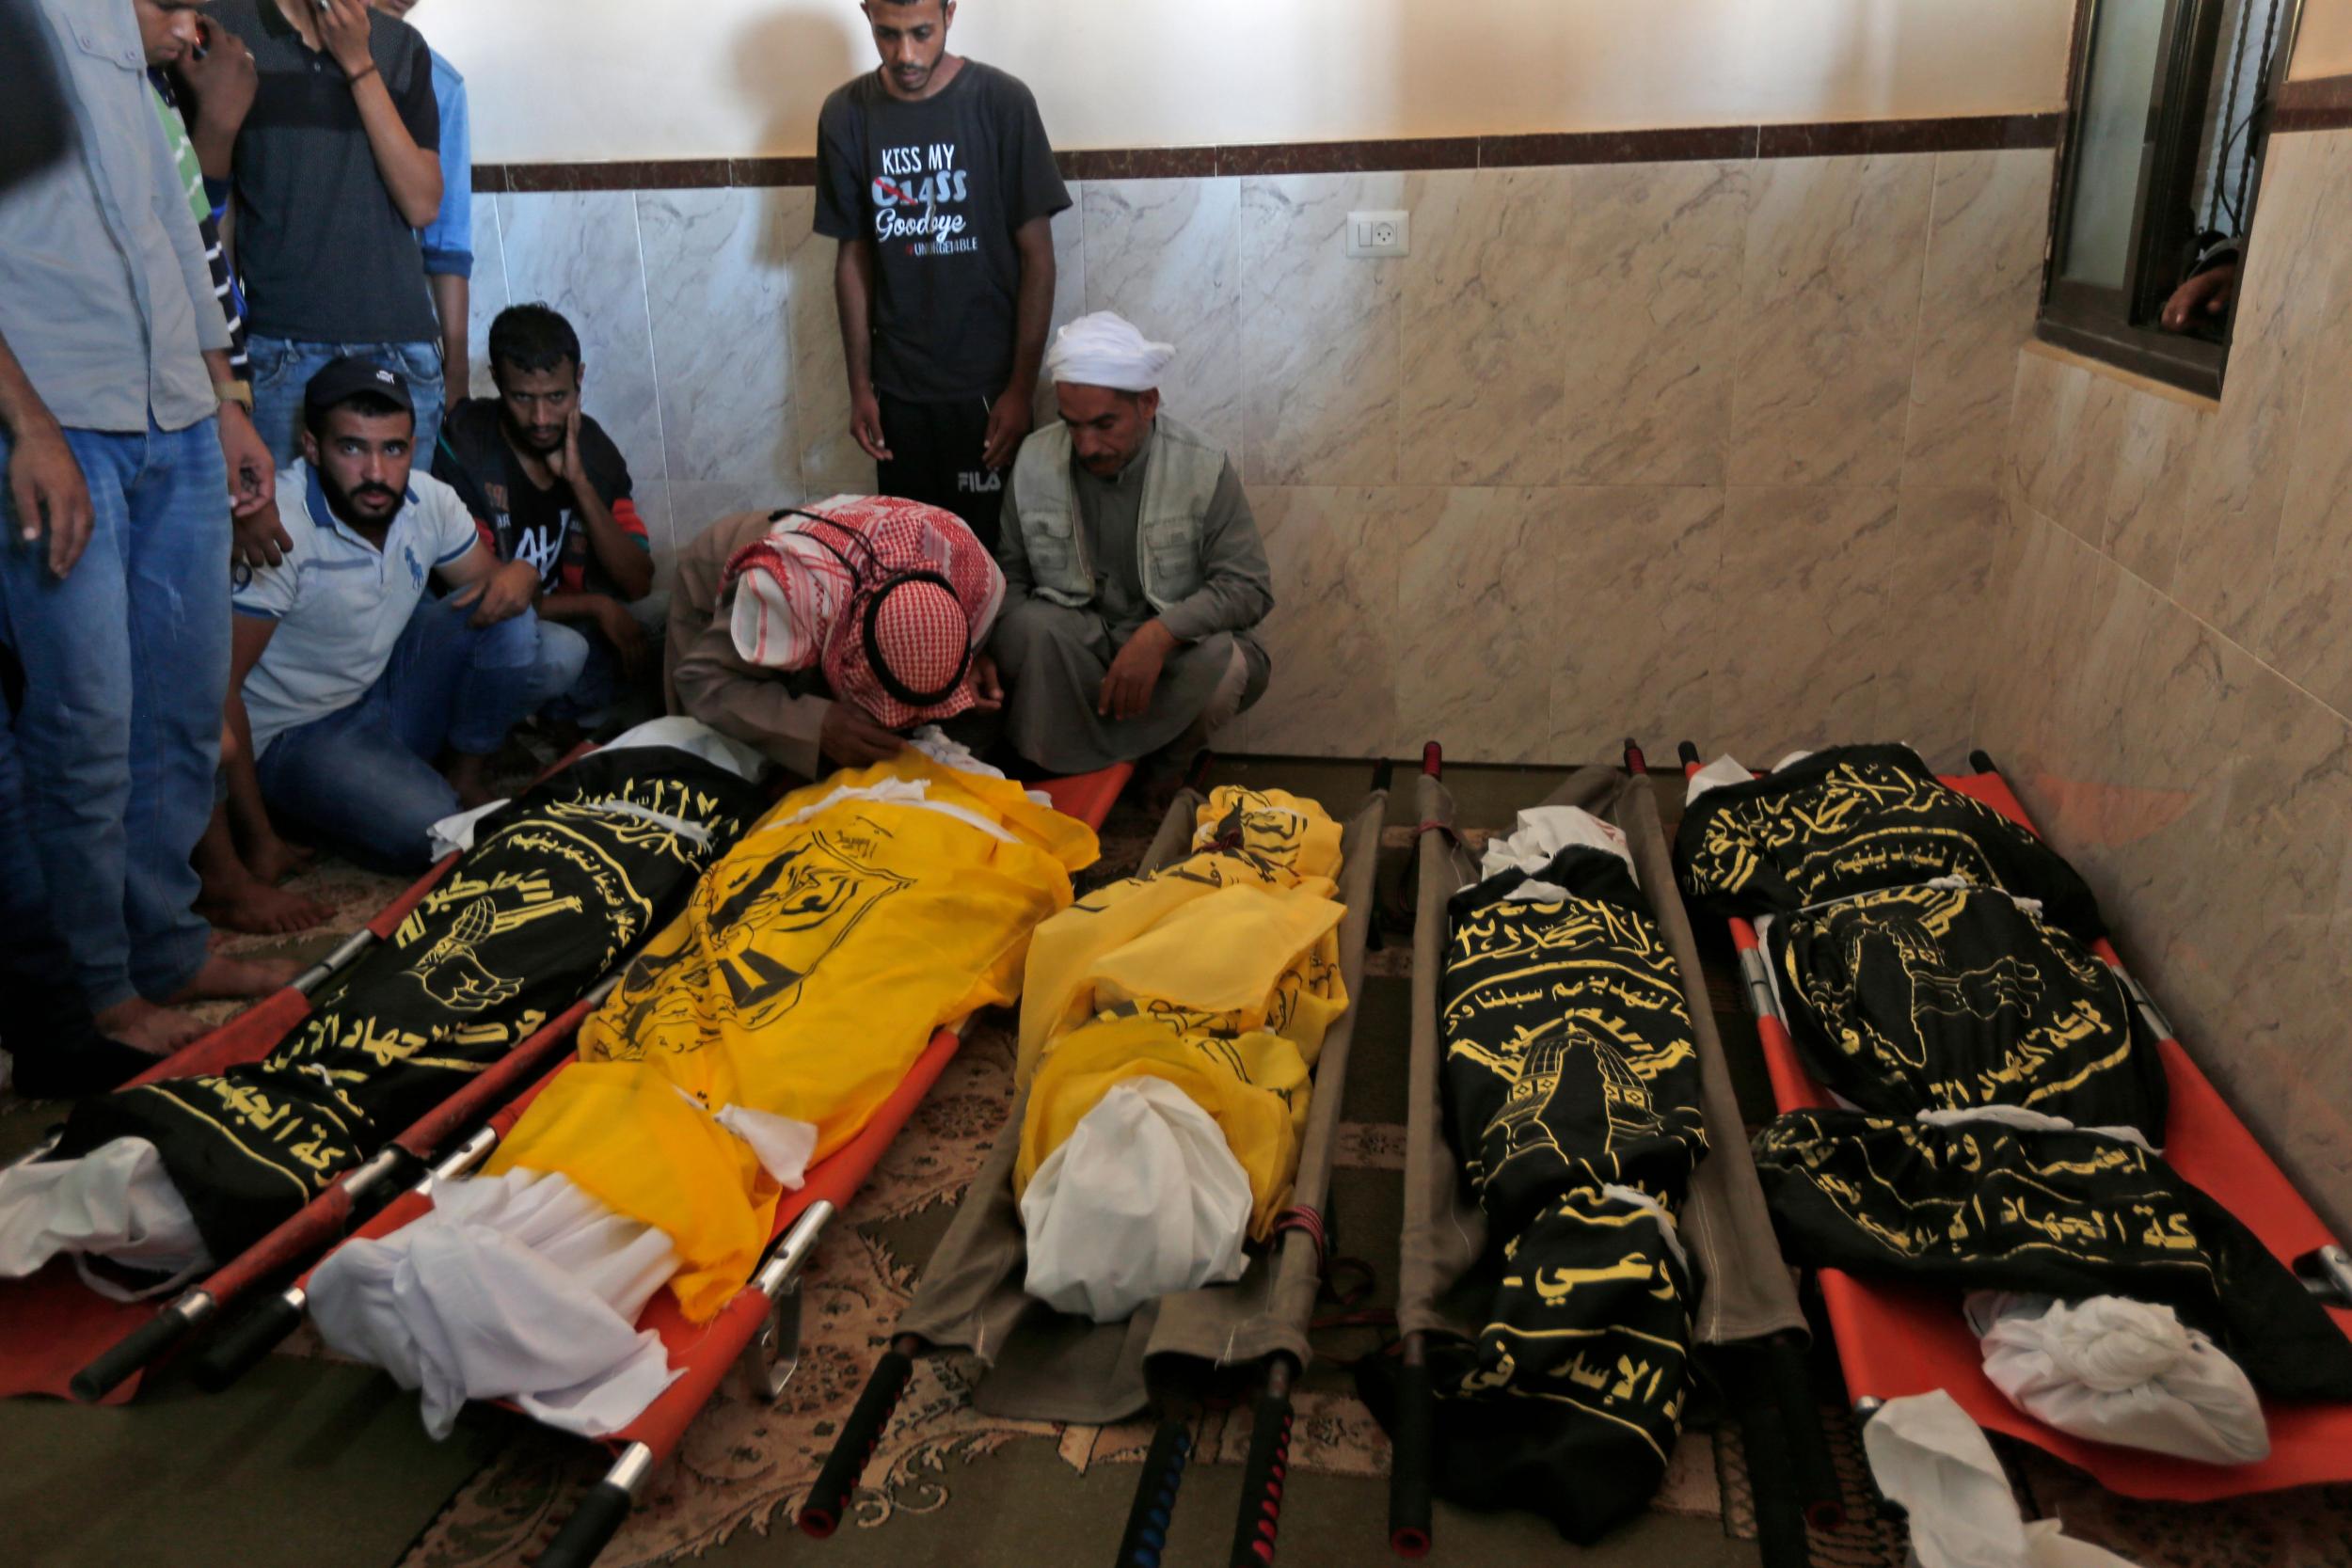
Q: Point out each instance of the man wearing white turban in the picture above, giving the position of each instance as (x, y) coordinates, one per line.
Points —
(1135, 577)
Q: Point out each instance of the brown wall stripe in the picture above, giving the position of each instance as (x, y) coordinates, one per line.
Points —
(1731, 143)
(2322, 103)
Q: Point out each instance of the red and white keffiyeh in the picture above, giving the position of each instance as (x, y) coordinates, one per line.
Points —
(801, 596)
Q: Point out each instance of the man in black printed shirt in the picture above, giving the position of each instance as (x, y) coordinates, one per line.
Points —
(548, 486)
(936, 177)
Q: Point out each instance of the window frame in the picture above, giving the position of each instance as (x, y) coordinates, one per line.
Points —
(2101, 323)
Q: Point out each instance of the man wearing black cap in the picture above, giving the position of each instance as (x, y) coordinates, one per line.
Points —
(349, 682)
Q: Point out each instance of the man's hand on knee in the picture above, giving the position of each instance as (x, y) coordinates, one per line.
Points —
(502, 595)
(854, 738)
(1134, 674)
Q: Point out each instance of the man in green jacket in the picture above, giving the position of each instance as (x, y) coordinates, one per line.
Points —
(1135, 576)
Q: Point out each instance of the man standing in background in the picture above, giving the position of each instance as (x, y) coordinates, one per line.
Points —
(935, 176)
(337, 168)
(448, 239)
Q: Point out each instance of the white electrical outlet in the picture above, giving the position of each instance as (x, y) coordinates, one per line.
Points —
(1372, 234)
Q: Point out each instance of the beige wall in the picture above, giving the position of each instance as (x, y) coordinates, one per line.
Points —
(2171, 678)
(1704, 450)
(2323, 44)
(574, 80)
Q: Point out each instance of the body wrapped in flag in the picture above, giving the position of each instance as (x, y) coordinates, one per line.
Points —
(1218, 976)
(1853, 819)
(1572, 1092)
(559, 886)
(1944, 998)
(809, 970)
(2057, 1212)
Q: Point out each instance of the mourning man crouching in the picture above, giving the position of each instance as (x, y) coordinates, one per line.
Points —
(1135, 577)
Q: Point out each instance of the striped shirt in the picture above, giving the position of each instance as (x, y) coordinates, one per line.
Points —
(207, 220)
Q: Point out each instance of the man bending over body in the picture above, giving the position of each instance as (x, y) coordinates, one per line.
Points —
(1133, 572)
(824, 634)
(554, 491)
(348, 679)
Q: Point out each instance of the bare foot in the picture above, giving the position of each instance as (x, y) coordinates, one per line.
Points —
(256, 906)
(274, 861)
(140, 1024)
(226, 979)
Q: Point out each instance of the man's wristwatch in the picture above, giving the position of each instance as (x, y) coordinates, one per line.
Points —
(239, 392)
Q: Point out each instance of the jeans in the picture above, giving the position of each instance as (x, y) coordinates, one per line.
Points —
(282, 372)
(126, 661)
(362, 780)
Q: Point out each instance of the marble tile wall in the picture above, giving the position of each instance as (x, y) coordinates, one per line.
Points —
(2166, 667)
(1687, 449)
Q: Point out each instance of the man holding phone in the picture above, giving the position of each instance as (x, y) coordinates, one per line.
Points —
(337, 168)
(935, 176)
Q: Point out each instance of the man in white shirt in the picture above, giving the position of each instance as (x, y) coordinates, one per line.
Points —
(348, 683)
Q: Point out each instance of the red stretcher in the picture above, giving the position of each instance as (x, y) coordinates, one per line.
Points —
(61, 1337)
(1895, 1340)
(763, 1319)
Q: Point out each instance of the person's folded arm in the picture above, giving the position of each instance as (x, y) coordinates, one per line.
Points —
(756, 708)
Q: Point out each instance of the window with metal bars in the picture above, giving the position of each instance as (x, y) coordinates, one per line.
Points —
(2169, 109)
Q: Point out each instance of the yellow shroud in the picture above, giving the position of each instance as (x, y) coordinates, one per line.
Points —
(810, 970)
(1220, 973)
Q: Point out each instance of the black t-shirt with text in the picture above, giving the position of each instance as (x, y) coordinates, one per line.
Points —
(525, 522)
(939, 187)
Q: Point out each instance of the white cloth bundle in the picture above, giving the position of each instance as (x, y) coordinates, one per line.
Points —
(1106, 349)
(2121, 1371)
(519, 1287)
(522, 1287)
(1543, 831)
(1929, 1457)
(1141, 1200)
(1728, 769)
(116, 1201)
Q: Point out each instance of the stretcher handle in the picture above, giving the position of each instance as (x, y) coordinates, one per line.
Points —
(1415, 1446)
(243, 1345)
(1146, 1535)
(1433, 759)
(1810, 1466)
(1781, 1538)
(1383, 775)
(143, 1345)
(1981, 761)
(591, 1527)
(1635, 763)
(1263, 1475)
(1688, 754)
(836, 1483)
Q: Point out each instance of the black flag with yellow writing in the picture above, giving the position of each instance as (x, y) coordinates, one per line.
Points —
(559, 886)
(1853, 819)
(1572, 1093)
(1980, 1206)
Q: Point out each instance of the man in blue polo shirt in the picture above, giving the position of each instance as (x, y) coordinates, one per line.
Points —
(348, 682)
